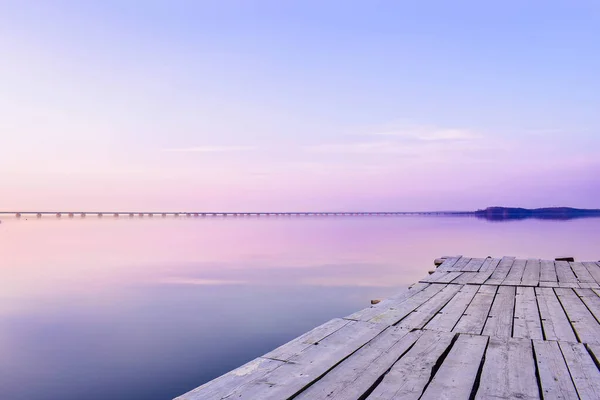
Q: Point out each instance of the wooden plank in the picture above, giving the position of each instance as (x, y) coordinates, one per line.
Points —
(441, 277)
(591, 300)
(553, 372)
(500, 318)
(464, 278)
(594, 350)
(527, 322)
(549, 284)
(548, 271)
(231, 381)
(396, 303)
(368, 313)
(394, 314)
(300, 371)
(476, 314)
(409, 376)
(296, 346)
(501, 271)
(554, 320)
(356, 375)
(448, 264)
(583, 275)
(594, 270)
(516, 273)
(584, 373)
(564, 272)
(458, 372)
(460, 265)
(589, 285)
(447, 318)
(571, 285)
(508, 371)
(426, 311)
(585, 325)
(531, 275)
(474, 265)
(486, 271)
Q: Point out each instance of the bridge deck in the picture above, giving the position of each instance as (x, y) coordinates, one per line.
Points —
(476, 328)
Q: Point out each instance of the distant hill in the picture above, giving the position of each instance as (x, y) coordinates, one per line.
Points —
(556, 213)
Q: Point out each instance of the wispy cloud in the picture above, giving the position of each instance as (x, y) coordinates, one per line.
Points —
(426, 134)
(386, 147)
(211, 149)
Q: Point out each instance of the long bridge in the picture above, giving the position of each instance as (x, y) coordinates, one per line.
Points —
(132, 214)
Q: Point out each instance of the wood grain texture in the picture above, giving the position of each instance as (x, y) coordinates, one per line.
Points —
(508, 371)
(426, 311)
(527, 322)
(458, 372)
(581, 272)
(476, 314)
(447, 318)
(584, 373)
(548, 271)
(516, 273)
(585, 325)
(354, 376)
(409, 376)
(564, 272)
(553, 372)
(531, 275)
(500, 318)
(501, 271)
(555, 323)
(486, 271)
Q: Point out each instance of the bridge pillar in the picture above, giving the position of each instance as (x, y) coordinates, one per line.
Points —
(71, 215)
(116, 215)
(39, 215)
(18, 215)
(82, 215)
(141, 215)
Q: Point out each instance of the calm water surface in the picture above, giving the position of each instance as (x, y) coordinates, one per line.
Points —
(151, 308)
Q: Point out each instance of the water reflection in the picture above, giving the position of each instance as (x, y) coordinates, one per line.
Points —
(149, 308)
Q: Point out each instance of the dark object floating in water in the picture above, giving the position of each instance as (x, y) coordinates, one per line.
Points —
(551, 213)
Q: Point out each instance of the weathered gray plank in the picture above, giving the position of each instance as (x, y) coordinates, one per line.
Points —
(460, 265)
(394, 301)
(584, 372)
(300, 371)
(457, 374)
(582, 273)
(447, 318)
(564, 272)
(527, 322)
(589, 285)
(354, 376)
(501, 271)
(508, 371)
(554, 320)
(464, 278)
(553, 372)
(441, 277)
(224, 385)
(476, 314)
(591, 300)
(409, 376)
(486, 271)
(531, 275)
(548, 271)
(391, 315)
(585, 325)
(594, 350)
(571, 285)
(294, 347)
(500, 318)
(474, 265)
(516, 273)
(594, 270)
(549, 284)
(426, 311)
(448, 264)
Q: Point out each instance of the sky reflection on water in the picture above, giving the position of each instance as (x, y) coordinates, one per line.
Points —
(120, 309)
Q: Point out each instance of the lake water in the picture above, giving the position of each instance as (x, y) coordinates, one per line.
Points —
(151, 308)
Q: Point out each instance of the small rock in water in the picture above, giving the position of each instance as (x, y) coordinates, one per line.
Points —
(375, 301)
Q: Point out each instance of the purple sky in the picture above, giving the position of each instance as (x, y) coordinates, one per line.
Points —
(268, 105)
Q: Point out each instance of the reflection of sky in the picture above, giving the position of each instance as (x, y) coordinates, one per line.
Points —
(150, 308)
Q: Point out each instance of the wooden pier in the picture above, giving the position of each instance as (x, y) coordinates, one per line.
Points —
(493, 328)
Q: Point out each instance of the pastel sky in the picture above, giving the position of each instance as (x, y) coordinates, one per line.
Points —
(299, 105)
